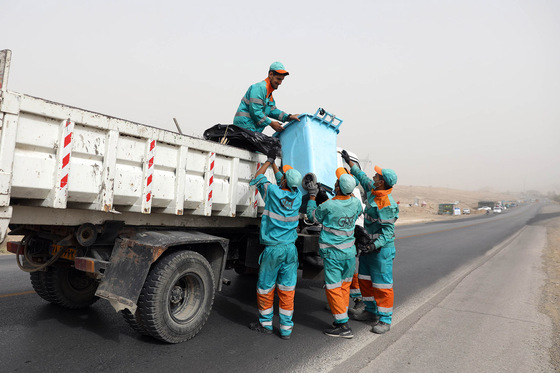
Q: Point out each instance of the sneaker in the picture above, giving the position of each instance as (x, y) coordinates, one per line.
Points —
(256, 326)
(364, 315)
(339, 331)
(286, 336)
(359, 306)
(381, 328)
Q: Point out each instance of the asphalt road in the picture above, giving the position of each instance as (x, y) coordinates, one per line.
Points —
(431, 259)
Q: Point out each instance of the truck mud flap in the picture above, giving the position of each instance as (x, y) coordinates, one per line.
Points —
(132, 258)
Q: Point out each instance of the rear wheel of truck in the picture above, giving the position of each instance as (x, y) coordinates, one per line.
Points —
(39, 283)
(134, 321)
(177, 297)
(70, 288)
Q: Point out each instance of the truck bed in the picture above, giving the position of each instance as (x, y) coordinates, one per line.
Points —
(61, 165)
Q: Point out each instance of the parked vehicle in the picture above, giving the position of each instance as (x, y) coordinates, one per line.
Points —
(497, 210)
(145, 218)
(466, 211)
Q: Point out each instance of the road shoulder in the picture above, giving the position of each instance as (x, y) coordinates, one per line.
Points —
(489, 322)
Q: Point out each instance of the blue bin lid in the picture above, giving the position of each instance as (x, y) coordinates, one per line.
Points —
(321, 117)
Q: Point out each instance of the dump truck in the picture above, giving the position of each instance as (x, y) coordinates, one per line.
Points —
(142, 217)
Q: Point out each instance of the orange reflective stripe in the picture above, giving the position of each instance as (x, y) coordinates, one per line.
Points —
(265, 301)
(286, 299)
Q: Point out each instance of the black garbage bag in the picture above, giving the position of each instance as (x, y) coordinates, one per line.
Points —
(242, 138)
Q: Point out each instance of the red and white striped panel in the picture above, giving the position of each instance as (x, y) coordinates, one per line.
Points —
(256, 196)
(148, 177)
(63, 155)
(210, 186)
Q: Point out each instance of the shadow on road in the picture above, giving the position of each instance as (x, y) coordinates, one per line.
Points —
(540, 217)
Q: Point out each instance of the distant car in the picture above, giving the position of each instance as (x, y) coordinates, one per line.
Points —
(466, 211)
(497, 210)
(484, 208)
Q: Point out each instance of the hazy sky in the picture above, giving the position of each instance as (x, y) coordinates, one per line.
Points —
(459, 94)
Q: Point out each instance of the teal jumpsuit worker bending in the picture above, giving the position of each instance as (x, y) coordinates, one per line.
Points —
(336, 246)
(279, 260)
(258, 104)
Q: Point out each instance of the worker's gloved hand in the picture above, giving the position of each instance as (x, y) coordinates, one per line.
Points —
(313, 189)
(271, 155)
(364, 243)
(309, 183)
(345, 156)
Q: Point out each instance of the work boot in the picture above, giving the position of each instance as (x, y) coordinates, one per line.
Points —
(339, 331)
(285, 336)
(381, 328)
(359, 305)
(364, 315)
(257, 326)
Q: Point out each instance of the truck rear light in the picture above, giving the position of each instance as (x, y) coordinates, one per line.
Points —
(90, 265)
(13, 246)
(85, 264)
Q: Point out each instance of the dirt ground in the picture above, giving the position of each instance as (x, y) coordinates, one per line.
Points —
(428, 199)
(550, 299)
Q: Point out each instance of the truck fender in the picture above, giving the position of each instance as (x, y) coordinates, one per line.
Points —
(132, 258)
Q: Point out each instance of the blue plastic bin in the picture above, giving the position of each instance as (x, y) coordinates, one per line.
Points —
(310, 145)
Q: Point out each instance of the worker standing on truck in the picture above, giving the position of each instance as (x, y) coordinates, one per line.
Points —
(375, 271)
(336, 246)
(258, 104)
(279, 260)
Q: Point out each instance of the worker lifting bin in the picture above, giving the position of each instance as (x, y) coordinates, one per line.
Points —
(310, 146)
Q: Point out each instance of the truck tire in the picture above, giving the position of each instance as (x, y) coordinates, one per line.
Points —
(70, 288)
(134, 321)
(177, 297)
(39, 283)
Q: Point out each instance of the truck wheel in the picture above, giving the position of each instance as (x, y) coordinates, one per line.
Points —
(39, 283)
(133, 321)
(177, 297)
(70, 288)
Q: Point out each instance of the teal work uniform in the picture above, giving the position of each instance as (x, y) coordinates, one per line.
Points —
(336, 246)
(279, 260)
(375, 272)
(257, 106)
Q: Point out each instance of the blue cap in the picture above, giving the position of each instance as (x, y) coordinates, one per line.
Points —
(346, 183)
(293, 177)
(279, 68)
(388, 175)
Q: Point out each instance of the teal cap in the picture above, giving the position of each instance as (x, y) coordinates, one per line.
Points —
(279, 68)
(346, 183)
(388, 175)
(293, 177)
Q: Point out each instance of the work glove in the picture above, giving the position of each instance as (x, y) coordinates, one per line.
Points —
(271, 155)
(345, 156)
(309, 183)
(364, 243)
